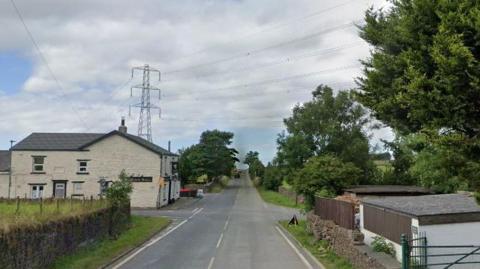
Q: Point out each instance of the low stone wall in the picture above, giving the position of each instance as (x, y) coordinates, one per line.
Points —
(343, 241)
(291, 194)
(38, 246)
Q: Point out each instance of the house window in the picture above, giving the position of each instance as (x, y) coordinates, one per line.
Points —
(37, 191)
(77, 187)
(38, 163)
(83, 166)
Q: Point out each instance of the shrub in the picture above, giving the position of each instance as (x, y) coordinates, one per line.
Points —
(202, 179)
(379, 244)
(118, 193)
(224, 180)
(477, 197)
(272, 178)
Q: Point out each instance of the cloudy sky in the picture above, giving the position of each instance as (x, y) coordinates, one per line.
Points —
(232, 65)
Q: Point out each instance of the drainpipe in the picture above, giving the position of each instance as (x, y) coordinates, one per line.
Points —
(10, 169)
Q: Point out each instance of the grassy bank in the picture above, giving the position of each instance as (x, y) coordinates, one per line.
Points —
(318, 248)
(37, 212)
(276, 198)
(104, 251)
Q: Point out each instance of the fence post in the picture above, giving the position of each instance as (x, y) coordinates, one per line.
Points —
(41, 205)
(405, 252)
(58, 205)
(18, 205)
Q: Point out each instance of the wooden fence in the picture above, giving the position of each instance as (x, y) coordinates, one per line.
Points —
(385, 223)
(340, 212)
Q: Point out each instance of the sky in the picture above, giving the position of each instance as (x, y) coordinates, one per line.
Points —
(231, 65)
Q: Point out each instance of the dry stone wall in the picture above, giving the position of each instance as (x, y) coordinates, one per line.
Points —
(344, 242)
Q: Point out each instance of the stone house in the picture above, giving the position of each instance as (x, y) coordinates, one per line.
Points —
(64, 165)
(4, 172)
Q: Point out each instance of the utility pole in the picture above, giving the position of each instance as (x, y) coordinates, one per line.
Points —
(10, 169)
(144, 119)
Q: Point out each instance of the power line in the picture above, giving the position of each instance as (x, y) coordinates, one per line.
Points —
(270, 27)
(253, 52)
(44, 60)
(277, 80)
(286, 60)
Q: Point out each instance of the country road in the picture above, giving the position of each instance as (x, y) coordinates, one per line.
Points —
(233, 229)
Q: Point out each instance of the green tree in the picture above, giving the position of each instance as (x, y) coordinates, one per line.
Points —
(255, 166)
(212, 156)
(328, 124)
(272, 178)
(424, 70)
(327, 174)
(423, 79)
(250, 157)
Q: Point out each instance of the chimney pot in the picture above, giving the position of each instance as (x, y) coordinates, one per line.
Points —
(122, 128)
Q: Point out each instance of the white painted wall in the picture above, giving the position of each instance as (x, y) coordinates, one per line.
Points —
(370, 235)
(452, 234)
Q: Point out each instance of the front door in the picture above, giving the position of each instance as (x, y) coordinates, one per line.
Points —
(59, 189)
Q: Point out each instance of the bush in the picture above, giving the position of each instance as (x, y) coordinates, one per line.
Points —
(477, 197)
(202, 179)
(118, 194)
(379, 244)
(224, 180)
(272, 178)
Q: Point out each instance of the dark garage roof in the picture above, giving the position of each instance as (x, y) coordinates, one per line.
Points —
(431, 207)
(388, 189)
(78, 141)
(4, 160)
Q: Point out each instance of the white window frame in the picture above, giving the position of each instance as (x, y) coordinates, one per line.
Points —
(82, 169)
(37, 194)
(77, 190)
(41, 165)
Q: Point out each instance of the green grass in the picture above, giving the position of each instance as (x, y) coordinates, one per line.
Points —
(286, 185)
(319, 249)
(276, 198)
(104, 251)
(32, 213)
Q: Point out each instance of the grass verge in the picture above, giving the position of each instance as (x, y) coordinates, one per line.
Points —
(319, 249)
(276, 198)
(105, 250)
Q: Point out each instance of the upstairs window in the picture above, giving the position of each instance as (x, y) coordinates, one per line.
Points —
(83, 166)
(38, 163)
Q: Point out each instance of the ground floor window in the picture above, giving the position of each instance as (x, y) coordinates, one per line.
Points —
(77, 188)
(37, 191)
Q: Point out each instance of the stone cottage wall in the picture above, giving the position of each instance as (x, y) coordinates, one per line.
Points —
(38, 246)
(343, 241)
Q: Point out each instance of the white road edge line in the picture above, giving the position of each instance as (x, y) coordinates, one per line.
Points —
(210, 264)
(148, 245)
(154, 241)
(300, 255)
(220, 240)
(225, 226)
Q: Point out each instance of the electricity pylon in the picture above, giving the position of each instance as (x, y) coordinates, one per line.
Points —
(144, 119)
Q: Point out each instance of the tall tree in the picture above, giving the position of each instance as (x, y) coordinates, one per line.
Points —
(328, 124)
(424, 70)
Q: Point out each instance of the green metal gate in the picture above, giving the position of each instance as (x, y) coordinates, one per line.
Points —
(416, 253)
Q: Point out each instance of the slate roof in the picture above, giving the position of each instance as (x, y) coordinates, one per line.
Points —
(4, 160)
(387, 189)
(428, 205)
(78, 141)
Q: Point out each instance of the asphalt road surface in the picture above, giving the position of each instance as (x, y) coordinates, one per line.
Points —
(233, 229)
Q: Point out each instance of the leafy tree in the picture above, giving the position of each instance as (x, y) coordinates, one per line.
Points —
(328, 124)
(212, 156)
(423, 79)
(255, 166)
(250, 157)
(327, 173)
(272, 178)
(118, 193)
(424, 70)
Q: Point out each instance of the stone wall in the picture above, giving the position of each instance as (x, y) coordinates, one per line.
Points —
(344, 242)
(38, 246)
(291, 194)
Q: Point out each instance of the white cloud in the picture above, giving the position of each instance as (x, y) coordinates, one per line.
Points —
(91, 46)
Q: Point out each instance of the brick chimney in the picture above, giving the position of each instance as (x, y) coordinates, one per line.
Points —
(122, 128)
